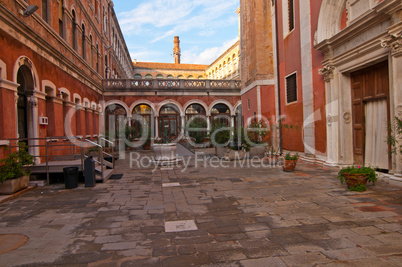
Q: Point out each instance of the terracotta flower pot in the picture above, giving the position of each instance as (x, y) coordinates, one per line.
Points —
(289, 165)
(353, 179)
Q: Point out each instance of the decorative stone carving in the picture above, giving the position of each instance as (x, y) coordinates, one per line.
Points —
(347, 117)
(394, 41)
(33, 102)
(328, 72)
(399, 111)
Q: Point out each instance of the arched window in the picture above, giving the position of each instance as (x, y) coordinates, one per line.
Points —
(149, 76)
(91, 52)
(83, 42)
(137, 76)
(97, 58)
(45, 10)
(180, 77)
(170, 76)
(190, 77)
(96, 8)
(74, 29)
(200, 77)
(61, 17)
(106, 68)
(159, 76)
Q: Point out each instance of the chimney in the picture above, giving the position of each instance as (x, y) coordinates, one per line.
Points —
(176, 50)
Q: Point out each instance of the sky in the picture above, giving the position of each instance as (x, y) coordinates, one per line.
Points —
(206, 28)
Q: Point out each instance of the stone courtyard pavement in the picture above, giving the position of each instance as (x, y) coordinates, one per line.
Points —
(228, 216)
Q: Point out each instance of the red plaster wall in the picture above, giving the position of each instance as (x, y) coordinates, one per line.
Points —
(268, 103)
(318, 85)
(7, 115)
(290, 62)
(249, 113)
(73, 122)
(89, 123)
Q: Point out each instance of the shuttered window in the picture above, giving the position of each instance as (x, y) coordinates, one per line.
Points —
(291, 88)
(291, 15)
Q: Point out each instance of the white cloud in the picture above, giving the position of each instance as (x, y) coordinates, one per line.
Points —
(208, 55)
(164, 18)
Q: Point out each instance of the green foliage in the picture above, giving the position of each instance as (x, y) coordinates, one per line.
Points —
(358, 188)
(371, 174)
(291, 157)
(198, 135)
(12, 166)
(220, 134)
(257, 131)
(395, 130)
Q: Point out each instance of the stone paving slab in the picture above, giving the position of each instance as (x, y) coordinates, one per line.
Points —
(245, 216)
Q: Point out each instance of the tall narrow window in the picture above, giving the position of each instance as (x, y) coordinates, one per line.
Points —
(291, 15)
(91, 52)
(83, 42)
(97, 58)
(61, 15)
(45, 9)
(106, 68)
(291, 88)
(74, 30)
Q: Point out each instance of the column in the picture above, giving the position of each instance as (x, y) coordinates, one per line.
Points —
(394, 43)
(156, 127)
(332, 114)
(183, 125)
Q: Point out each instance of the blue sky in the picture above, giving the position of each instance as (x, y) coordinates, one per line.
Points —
(206, 28)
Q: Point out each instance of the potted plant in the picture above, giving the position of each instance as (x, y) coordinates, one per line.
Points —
(220, 138)
(357, 177)
(290, 162)
(256, 138)
(15, 170)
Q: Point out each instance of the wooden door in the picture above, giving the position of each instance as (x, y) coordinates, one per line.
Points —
(370, 84)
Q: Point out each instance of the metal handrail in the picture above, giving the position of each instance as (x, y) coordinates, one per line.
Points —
(13, 143)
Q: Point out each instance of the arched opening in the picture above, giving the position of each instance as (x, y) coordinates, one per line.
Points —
(141, 121)
(195, 121)
(83, 42)
(74, 29)
(169, 122)
(220, 114)
(25, 90)
(115, 125)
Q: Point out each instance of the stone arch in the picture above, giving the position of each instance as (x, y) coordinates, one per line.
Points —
(25, 61)
(196, 101)
(65, 94)
(93, 105)
(329, 20)
(140, 102)
(170, 101)
(77, 97)
(86, 102)
(121, 103)
(48, 88)
(222, 101)
(3, 70)
(236, 106)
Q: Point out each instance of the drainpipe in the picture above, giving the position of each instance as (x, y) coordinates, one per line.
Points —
(278, 77)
